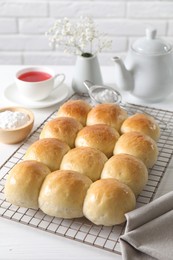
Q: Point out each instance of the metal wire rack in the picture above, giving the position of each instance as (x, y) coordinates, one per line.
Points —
(81, 229)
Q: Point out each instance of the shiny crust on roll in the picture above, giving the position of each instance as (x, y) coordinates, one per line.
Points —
(49, 151)
(109, 114)
(101, 137)
(127, 169)
(86, 160)
(142, 123)
(24, 183)
(77, 109)
(139, 145)
(62, 128)
(107, 201)
(62, 194)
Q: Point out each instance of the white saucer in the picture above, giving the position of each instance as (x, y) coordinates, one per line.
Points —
(11, 93)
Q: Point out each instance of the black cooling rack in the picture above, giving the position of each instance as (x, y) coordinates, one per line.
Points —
(82, 230)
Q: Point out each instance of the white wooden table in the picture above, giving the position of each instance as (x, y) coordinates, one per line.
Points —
(21, 242)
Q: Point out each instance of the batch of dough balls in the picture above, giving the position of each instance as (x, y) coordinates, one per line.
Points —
(88, 161)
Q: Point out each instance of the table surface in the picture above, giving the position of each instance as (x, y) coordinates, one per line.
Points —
(22, 242)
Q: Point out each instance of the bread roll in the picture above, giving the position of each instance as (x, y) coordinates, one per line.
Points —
(62, 194)
(106, 202)
(141, 123)
(24, 182)
(49, 151)
(86, 160)
(139, 145)
(109, 114)
(62, 128)
(101, 137)
(127, 169)
(77, 109)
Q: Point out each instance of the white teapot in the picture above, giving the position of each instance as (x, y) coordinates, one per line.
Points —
(147, 71)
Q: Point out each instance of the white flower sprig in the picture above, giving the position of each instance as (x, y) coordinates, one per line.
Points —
(80, 38)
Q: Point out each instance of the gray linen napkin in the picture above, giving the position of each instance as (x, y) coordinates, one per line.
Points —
(149, 231)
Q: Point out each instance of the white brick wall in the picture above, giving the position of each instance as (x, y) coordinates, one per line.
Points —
(24, 22)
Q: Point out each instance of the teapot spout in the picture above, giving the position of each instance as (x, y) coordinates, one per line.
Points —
(124, 78)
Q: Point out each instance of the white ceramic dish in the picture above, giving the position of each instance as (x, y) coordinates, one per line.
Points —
(11, 94)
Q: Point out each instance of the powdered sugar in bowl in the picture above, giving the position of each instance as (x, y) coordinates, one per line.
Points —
(15, 124)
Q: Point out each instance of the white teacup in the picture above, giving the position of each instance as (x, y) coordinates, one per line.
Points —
(37, 83)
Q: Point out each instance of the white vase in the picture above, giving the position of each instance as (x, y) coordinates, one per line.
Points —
(86, 68)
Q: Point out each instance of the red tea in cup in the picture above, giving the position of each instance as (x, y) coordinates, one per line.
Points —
(37, 83)
(34, 76)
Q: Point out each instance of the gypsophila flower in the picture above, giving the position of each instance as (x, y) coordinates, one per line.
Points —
(79, 38)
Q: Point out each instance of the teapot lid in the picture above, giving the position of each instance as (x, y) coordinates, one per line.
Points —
(150, 44)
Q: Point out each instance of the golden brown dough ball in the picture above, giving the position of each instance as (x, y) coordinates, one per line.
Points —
(62, 194)
(24, 183)
(101, 137)
(62, 128)
(139, 145)
(77, 109)
(86, 160)
(107, 201)
(49, 151)
(142, 123)
(109, 114)
(128, 169)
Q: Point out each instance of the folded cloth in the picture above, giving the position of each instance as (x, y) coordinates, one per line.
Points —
(149, 231)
